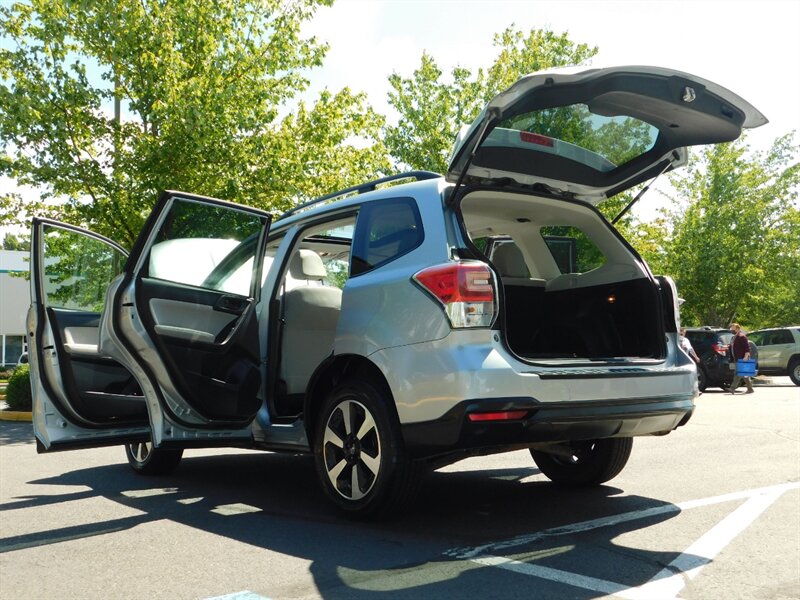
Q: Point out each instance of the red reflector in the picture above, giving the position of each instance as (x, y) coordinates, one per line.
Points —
(508, 415)
(458, 282)
(536, 138)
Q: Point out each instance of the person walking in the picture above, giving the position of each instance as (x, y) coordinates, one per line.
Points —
(686, 345)
(740, 349)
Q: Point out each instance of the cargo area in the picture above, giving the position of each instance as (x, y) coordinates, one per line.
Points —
(571, 287)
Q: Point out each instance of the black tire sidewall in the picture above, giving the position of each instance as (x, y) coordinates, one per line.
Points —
(792, 366)
(393, 457)
(159, 461)
(702, 379)
(605, 462)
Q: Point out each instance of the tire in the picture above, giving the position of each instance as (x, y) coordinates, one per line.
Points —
(146, 460)
(591, 463)
(794, 371)
(359, 453)
(702, 379)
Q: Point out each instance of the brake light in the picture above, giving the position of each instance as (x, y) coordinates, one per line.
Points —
(465, 289)
(536, 138)
(506, 415)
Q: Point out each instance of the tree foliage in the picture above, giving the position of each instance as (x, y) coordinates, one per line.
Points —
(201, 86)
(731, 239)
(432, 110)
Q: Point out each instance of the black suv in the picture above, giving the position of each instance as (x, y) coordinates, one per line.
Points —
(711, 345)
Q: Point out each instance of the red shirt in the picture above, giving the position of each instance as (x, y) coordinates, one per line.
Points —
(740, 346)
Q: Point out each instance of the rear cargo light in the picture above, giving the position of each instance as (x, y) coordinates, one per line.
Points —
(506, 415)
(465, 289)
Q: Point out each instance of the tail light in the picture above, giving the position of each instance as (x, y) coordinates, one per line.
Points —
(719, 348)
(465, 289)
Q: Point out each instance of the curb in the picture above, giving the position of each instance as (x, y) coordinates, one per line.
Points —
(15, 415)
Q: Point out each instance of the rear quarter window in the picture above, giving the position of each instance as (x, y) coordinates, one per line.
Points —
(385, 230)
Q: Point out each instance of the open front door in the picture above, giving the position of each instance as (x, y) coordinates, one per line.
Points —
(183, 319)
(81, 397)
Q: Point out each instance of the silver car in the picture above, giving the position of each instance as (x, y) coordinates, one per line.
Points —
(401, 324)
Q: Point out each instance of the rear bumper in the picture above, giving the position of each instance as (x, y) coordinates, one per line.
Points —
(455, 433)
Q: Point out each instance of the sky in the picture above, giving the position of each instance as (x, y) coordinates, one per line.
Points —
(750, 47)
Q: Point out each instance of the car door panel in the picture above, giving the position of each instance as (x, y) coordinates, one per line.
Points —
(211, 353)
(183, 318)
(81, 398)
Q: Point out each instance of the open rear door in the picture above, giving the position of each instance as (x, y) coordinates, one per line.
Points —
(183, 319)
(81, 397)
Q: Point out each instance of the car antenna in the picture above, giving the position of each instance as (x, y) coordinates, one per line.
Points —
(642, 191)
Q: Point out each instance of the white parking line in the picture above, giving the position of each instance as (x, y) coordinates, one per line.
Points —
(243, 595)
(668, 582)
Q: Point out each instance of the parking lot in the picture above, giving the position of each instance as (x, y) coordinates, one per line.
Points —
(710, 511)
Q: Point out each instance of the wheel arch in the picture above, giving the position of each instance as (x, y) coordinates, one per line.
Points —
(330, 373)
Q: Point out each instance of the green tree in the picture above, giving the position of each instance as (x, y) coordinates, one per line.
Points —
(432, 110)
(16, 242)
(730, 239)
(200, 88)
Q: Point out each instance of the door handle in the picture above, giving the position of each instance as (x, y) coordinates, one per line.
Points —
(232, 304)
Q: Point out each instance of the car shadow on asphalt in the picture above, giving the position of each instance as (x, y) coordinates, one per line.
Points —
(272, 501)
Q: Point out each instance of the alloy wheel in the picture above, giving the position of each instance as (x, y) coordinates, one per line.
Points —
(352, 449)
(141, 451)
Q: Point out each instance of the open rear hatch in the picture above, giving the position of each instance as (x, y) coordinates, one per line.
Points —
(592, 133)
(539, 155)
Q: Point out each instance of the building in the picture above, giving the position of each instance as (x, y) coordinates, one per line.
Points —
(15, 298)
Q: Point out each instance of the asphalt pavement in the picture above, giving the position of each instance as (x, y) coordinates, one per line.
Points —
(709, 511)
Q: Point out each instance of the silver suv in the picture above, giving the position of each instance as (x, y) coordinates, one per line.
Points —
(393, 326)
(778, 351)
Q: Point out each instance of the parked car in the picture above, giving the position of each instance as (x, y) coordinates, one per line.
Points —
(711, 346)
(380, 327)
(778, 351)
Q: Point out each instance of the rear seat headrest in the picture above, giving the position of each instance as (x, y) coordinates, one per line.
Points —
(509, 261)
(307, 264)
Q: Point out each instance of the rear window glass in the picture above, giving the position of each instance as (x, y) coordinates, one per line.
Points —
(600, 142)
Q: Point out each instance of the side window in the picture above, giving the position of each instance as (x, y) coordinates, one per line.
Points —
(77, 269)
(385, 231)
(572, 250)
(206, 245)
(783, 336)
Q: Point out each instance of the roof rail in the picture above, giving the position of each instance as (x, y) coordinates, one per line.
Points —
(370, 186)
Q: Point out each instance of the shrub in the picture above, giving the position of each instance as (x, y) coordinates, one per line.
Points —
(18, 392)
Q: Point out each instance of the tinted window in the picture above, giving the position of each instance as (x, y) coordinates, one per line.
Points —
(77, 269)
(572, 250)
(385, 231)
(598, 141)
(206, 245)
(781, 336)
